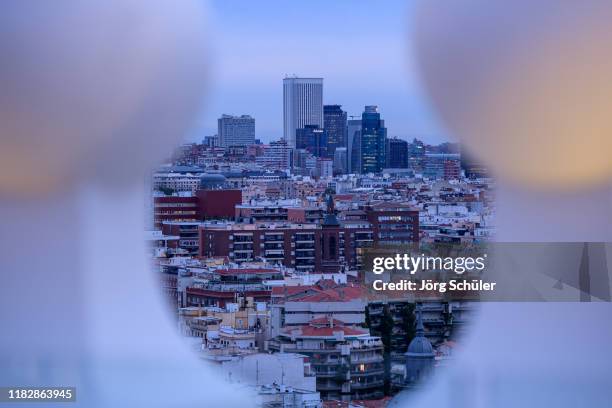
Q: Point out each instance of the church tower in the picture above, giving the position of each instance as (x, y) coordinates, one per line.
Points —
(330, 239)
(420, 355)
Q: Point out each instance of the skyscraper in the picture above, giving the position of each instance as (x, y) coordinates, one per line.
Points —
(373, 141)
(416, 155)
(313, 139)
(341, 160)
(302, 105)
(334, 123)
(236, 130)
(354, 145)
(397, 153)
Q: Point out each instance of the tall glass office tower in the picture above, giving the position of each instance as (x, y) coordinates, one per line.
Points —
(354, 145)
(373, 141)
(313, 139)
(334, 122)
(302, 105)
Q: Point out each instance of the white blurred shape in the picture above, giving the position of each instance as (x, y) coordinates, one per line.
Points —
(94, 93)
(526, 85)
(95, 89)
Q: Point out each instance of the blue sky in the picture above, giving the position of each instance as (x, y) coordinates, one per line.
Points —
(360, 48)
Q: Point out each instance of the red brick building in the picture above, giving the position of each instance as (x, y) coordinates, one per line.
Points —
(312, 247)
(175, 208)
(297, 246)
(394, 223)
(218, 203)
(204, 205)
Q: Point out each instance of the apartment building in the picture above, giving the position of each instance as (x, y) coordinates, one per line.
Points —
(347, 361)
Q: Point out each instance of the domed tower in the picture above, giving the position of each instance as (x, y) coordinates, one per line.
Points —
(212, 181)
(420, 355)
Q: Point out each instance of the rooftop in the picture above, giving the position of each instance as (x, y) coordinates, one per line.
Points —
(246, 271)
(325, 327)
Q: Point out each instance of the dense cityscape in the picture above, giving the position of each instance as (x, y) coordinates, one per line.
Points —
(259, 248)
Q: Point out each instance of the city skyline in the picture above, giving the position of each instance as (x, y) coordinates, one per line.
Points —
(243, 35)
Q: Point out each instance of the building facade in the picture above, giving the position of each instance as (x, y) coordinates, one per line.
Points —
(175, 208)
(373, 141)
(354, 146)
(312, 139)
(397, 153)
(302, 105)
(394, 223)
(311, 247)
(341, 161)
(347, 361)
(226, 285)
(277, 155)
(442, 166)
(325, 167)
(298, 246)
(236, 130)
(334, 123)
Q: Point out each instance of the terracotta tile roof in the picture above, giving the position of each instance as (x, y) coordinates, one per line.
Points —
(323, 291)
(326, 284)
(337, 294)
(325, 322)
(292, 290)
(328, 331)
(343, 197)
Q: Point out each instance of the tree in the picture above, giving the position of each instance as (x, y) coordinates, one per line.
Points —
(368, 322)
(408, 322)
(386, 329)
(166, 190)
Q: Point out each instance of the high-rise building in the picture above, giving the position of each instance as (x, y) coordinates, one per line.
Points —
(340, 160)
(236, 130)
(397, 153)
(416, 155)
(354, 145)
(373, 141)
(325, 167)
(304, 163)
(312, 138)
(211, 141)
(334, 123)
(442, 166)
(302, 105)
(276, 155)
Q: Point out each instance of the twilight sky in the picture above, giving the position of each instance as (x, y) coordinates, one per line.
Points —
(360, 48)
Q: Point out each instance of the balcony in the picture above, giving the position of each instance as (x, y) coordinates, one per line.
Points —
(368, 359)
(329, 387)
(368, 372)
(369, 384)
